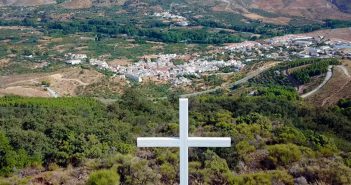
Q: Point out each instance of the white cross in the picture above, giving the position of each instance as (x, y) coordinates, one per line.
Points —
(184, 142)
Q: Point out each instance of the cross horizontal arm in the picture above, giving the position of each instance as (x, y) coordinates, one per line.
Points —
(158, 142)
(192, 142)
(209, 141)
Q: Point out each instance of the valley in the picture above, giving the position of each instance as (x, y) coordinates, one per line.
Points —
(81, 80)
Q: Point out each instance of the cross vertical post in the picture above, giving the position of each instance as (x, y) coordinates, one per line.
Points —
(183, 142)
(183, 137)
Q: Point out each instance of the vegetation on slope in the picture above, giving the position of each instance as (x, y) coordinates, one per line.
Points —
(305, 69)
(202, 29)
(277, 138)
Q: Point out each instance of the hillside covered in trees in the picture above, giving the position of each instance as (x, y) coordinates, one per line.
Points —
(276, 139)
(297, 72)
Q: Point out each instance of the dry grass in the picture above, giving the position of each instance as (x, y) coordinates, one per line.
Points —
(24, 91)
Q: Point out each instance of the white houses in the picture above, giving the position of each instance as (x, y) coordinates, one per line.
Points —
(74, 61)
(99, 63)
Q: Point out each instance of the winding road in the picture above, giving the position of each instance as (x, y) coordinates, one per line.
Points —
(239, 82)
(326, 79)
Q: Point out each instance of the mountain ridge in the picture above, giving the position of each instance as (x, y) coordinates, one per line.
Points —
(26, 2)
(284, 10)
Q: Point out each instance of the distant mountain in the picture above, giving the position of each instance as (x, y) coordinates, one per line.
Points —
(284, 9)
(343, 5)
(72, 4)
(25, 2)
(310, 9)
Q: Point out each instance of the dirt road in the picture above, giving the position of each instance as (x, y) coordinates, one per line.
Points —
(52, 93)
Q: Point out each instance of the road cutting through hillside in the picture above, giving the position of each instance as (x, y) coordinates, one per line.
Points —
(326, 79)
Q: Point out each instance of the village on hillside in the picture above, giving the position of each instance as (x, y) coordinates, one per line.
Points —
(175, 69)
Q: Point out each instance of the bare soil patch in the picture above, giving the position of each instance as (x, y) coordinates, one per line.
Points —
(15, 80)
(24, 91)
(65, 82)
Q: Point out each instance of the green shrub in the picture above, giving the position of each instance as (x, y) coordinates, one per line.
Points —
(11, 159)
(103, 177)
(244, 148)
(284, 154)
(45, 83)
(216, 169)
(290, 135)
(168, 172)
(53, 167)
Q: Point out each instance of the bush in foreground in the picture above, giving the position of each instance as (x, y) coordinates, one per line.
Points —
(103, 177)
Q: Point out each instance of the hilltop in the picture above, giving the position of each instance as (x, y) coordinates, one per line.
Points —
(80, 80)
